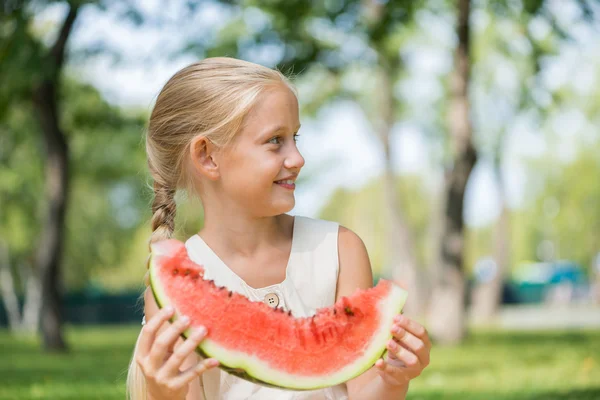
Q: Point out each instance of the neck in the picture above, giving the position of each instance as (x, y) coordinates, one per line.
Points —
(240, 233)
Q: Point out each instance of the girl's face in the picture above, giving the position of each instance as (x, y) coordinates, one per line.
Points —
(259, 169)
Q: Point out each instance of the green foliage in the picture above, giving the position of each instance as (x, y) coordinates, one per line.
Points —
(562, 210)
(107, 162)
(21, 181)
(479, 243)
(324, 43)
(20, 56)
(107, 193)
(363, 212)
(128, 271)
(565, 211)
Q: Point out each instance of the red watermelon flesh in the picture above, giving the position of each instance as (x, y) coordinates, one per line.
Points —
(270, 346)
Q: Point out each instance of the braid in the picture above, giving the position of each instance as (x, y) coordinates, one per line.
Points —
(164, 208)
(163, 213)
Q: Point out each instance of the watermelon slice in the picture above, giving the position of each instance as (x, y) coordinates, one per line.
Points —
(269, 346)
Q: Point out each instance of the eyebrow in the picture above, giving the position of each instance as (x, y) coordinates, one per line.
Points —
(277, 129)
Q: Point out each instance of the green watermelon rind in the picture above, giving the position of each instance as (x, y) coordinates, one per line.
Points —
(244, 367)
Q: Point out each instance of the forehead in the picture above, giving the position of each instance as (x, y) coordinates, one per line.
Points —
(276, 107)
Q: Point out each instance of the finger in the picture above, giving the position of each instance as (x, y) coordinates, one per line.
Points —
(392, 360)
(193, 372)
(403, 354)
(383, 368)
(152, 326)
(413, 343)
(390, 355)
(413, 327)
(184, 350)
(166, 340)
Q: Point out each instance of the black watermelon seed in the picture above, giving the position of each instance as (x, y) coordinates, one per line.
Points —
(348, 311)
(230, 293)
(175, 271)
(187, 272)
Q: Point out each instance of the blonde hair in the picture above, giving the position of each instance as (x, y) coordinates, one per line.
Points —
(209, 98)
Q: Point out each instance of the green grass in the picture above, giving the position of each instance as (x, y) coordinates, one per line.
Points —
(490, 365)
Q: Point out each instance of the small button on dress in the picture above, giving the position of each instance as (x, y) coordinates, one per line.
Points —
(271, 299)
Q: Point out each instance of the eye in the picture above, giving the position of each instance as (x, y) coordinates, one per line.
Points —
(275, 140)
(278, 139)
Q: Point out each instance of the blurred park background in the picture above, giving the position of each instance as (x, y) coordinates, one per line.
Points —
(460, 139)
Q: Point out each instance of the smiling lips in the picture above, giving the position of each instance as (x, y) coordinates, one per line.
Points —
(286, 183)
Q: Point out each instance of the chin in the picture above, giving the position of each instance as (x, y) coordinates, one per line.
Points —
(284, 207)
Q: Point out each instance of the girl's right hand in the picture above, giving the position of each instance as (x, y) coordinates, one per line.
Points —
(164, 379)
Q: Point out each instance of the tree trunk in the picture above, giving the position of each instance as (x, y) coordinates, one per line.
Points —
(434, 237)
(402, 261)
(447, 317)
(7, 289)
(33, 300)
(52, 236)
(487, 296)
(48, 257)
(403, 264)
(27, 319)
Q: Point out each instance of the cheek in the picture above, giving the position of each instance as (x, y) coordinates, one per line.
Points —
(265, 169)
(252, 173)
(255, 179)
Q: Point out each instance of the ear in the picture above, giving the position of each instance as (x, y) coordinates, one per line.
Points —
(202, 153)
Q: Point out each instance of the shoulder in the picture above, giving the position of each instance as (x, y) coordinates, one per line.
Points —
(314, 224)
(316, 234)
(354, 264)
(349, 241)
(349, 244)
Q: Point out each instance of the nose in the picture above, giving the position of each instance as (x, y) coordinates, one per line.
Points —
(293, 159)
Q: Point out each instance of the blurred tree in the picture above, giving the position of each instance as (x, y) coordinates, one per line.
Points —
(512, 45)
(449, 295)
(387, 25)
(21, 181)
(447, 316)
(563, 222)
(106, 194)
(496, 51)
(31, 72)
(354, 209)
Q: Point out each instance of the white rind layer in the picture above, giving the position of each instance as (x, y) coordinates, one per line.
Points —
(261, 371)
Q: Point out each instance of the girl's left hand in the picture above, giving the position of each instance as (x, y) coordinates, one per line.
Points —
(408, 352)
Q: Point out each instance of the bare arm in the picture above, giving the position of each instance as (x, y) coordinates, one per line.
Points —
(195, 390)
(355, 273)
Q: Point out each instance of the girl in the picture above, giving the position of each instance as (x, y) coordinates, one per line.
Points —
(225, 130)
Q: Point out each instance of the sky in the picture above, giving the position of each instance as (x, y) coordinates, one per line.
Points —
(340, 128)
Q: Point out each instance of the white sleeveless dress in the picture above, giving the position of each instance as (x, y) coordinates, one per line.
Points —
(310, 283)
